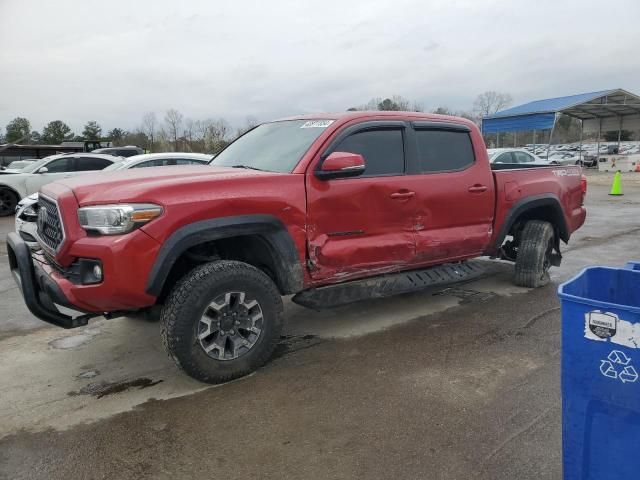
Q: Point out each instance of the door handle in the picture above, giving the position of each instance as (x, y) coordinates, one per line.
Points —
(478, 188)
(402, 195)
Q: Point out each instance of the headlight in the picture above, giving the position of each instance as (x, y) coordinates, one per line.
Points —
(117, 219)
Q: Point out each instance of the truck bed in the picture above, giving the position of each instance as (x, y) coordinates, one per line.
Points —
(541, 184)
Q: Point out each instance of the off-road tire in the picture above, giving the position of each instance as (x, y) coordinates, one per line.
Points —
(185, 305)
(8, 200)
(534, 251)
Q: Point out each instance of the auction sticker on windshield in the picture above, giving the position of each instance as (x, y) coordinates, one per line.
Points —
(317, 124)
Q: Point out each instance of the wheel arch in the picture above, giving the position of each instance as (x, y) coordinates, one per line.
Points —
(4, 186)
(263, 232)
(539, 207)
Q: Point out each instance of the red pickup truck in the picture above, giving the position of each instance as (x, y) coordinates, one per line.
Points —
(331, 208)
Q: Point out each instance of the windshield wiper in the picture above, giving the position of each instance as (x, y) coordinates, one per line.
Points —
(248, 167)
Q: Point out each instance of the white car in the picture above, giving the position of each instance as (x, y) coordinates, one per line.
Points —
(18, 165)
(27, 209)
(161, 160)
(515, 156)
(17, 185)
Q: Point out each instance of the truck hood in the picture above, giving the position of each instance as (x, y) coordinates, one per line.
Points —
(151, 184)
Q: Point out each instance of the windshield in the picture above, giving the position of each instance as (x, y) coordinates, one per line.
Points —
(34, 166)
(274, 147)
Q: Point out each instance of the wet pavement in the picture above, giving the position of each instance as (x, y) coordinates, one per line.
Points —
(455, 383)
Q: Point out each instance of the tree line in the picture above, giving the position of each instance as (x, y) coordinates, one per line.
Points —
(175, 132)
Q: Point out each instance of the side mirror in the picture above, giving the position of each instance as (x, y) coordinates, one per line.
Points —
(340, 165)
(43, 170)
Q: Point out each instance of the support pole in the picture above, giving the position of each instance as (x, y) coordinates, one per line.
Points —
(555, 119)
(619, 133)
(515, 139)
(598, 144)
(581, 134)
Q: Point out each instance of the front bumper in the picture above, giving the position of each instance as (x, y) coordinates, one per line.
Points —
(40, 292)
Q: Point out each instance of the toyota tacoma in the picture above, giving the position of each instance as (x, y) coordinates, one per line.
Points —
(329, 208)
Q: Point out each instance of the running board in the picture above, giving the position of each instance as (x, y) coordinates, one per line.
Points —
(388, 285)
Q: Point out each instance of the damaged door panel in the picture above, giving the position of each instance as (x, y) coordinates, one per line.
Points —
(364, 223)
(346, 238)
(455, 195)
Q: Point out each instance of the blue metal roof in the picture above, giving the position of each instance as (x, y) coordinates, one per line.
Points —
(537, 121)
(549, 105)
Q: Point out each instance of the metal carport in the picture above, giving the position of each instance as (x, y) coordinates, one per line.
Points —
(610, 109)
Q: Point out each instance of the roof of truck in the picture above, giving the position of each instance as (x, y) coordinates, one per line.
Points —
(349, 115)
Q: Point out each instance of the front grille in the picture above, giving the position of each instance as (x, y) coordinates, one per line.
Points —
(50, 230)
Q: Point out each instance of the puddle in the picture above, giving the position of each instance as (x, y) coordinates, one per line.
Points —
(102, 389)
(292, 343)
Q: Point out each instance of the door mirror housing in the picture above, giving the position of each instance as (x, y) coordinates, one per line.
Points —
(43, 170)
(340, 165)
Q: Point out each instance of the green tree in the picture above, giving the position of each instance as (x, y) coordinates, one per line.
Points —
(395, 103)
(56, 132)
(17, 129)
(116, 135)
(443, 111)
(36, 138)
(92, 131)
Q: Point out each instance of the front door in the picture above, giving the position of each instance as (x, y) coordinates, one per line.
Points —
(363, 225)
(56, 169)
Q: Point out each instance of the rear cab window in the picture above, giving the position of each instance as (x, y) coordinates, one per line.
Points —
(443, 150)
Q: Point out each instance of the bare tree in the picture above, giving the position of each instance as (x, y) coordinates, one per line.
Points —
(149, 127)
(189, 134)
(490, 102)
(250, 123)
(217, 135)
(173, 121)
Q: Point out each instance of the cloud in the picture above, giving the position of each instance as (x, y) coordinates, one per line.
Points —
(87, 60)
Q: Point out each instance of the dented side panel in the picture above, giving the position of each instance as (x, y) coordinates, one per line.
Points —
(353, 225)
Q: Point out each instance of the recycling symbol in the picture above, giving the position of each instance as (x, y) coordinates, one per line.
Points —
(618, 366)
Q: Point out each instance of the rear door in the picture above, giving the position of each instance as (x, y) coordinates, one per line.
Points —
(454, 193)
(90, 164)
(362, 225)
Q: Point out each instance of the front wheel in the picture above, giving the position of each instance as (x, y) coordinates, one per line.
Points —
(8, 202)
(533, 259)
(222, 321)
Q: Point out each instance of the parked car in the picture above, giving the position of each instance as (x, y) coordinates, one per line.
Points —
(128, 151)
(27, 209)
(161, 160)
(18, 165)
(514, 155)
(331, 208)
(17, 185)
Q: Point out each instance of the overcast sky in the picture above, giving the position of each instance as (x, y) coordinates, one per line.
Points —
(113, 61)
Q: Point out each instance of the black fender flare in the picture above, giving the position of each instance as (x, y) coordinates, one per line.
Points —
(547, 200)
(289, 273)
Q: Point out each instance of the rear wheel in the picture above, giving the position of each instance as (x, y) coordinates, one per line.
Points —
(8, 202)
(534, 254)
(222, 321)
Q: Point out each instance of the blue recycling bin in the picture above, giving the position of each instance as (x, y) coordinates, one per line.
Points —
(600, 374)
(633, 265)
